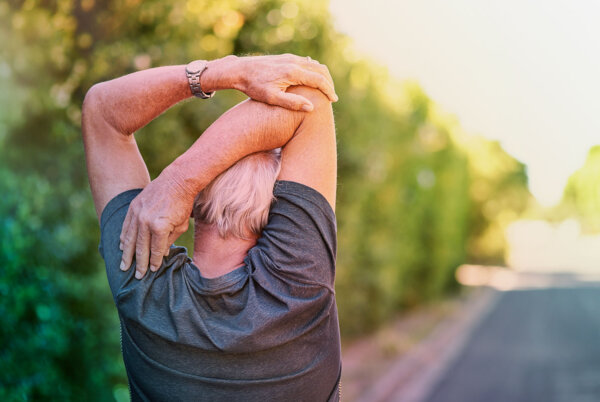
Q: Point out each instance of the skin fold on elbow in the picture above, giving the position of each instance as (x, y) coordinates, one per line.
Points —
(91, 108)
(97, 112)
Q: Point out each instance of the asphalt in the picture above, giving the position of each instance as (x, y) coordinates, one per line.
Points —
(534, 345)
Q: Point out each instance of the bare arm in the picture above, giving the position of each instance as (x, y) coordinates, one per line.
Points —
(112, 112)
(160, 213)
(115, 109)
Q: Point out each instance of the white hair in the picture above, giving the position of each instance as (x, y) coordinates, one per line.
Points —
(237, 201)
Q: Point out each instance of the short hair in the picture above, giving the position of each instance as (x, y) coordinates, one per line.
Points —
(238, 200)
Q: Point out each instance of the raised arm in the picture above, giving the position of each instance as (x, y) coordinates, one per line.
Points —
(114, 110)
(160, 212)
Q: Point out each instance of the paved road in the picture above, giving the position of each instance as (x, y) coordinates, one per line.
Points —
(535, 345)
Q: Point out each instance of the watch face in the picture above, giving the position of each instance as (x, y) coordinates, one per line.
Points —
(195, 66)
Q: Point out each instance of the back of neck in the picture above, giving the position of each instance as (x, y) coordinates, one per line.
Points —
(216, 256)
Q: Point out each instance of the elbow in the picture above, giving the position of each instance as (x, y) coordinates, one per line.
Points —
(91, 105)
(94, 110)
(92, 102)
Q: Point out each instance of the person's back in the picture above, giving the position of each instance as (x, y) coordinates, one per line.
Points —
(267, 328)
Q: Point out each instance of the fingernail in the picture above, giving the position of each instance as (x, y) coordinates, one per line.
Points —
(335, 98)
(307, 108)
(138, 275)
(121, 246)
(153, 268)
(122, 266)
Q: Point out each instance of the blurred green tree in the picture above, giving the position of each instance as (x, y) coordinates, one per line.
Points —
(499, 195)
(581, 197)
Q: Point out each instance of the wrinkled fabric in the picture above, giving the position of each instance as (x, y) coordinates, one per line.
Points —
(265, 331)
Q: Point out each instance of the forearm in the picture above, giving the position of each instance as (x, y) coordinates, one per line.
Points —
(130, 102)
(160, 213)
(247, 128)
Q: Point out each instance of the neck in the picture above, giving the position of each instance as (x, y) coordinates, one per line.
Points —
(216, 256)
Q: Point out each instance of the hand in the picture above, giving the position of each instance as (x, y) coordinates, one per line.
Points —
(156, 218)
(266, 79)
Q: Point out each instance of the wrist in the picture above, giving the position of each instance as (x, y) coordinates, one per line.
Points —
(223, 73)
(179, 183)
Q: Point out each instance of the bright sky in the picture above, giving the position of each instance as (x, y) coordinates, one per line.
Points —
(524, 72)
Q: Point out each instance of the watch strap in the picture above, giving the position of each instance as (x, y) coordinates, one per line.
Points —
(194, 81)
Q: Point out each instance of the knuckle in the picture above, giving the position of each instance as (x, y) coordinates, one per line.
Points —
(146, 223)
(140, 258)
(270, 97)
(295, 103)
(291, 70)
(144, 219)
(156, 252)
(138, 218)
(140, 242)
(157, 226)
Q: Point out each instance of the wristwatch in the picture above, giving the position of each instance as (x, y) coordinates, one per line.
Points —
(193, 71)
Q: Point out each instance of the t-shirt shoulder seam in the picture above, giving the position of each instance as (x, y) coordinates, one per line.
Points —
(327, 210)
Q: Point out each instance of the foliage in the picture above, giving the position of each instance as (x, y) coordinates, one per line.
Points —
(581, 197)
(416, 197)
(53, 299)
(498, 195)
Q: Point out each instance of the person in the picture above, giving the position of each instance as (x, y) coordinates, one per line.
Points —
(252, 316)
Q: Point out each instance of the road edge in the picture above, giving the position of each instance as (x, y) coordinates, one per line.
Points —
(417, 373)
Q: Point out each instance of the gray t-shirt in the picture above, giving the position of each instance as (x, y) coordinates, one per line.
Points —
(267, 331)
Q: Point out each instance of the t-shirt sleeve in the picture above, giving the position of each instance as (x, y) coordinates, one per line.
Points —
(111, 224)
(299, 239)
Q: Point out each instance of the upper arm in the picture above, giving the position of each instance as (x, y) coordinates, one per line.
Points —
(113, 160)
(310, 157)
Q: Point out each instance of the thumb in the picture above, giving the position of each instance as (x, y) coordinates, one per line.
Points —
(292, 102)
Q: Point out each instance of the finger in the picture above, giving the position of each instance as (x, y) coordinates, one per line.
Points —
(318, 81)
(312, 64)
(292, 101)
(322, 69)
(142, 251)
(129, 240)
(326, 73)
(125, 227)
(174, 235)
(158, 247)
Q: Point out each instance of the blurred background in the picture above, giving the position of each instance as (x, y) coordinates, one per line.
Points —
(466, 135)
